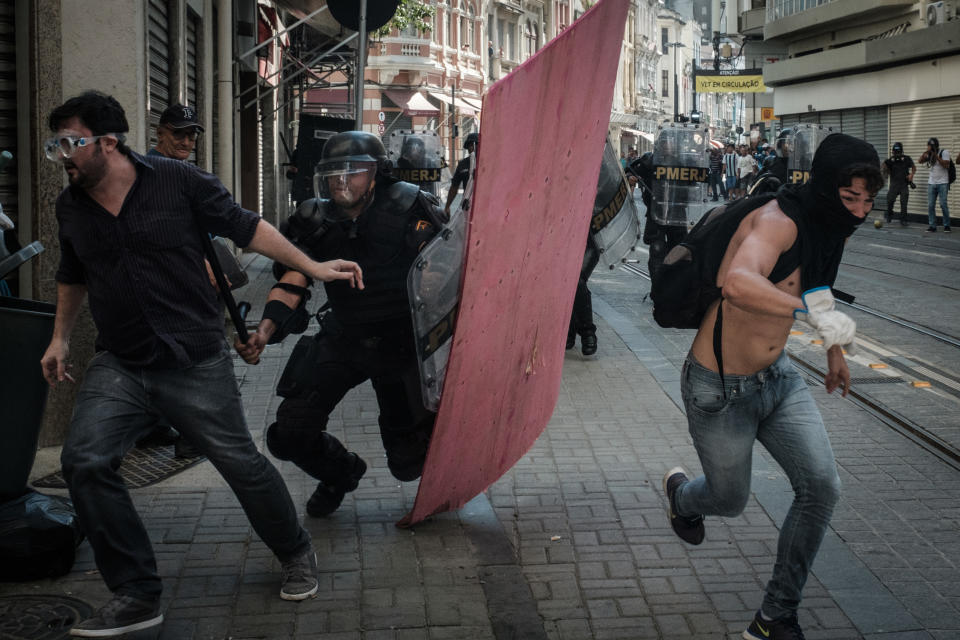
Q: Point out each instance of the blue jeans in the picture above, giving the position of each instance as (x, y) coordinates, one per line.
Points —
(934, 190)
(116, 405)
(731, 183)
(775, 407)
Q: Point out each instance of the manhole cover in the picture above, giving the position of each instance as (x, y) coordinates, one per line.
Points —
(37, 617)
(140, 468)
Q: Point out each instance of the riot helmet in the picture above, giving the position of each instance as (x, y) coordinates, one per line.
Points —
(345, 157)
(414, 151)
(897, 149)
(472, 138)
(783, 143)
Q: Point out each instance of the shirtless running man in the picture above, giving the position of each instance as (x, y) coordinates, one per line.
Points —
(790, 245)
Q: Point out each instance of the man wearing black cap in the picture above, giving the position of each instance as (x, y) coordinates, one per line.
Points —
(178, 132)
(900, 169)
(176, 138)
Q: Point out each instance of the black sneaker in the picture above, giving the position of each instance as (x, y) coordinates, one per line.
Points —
(588, 344)
(298, 577)
(946, 229)
(783, 629)
(689, 530)
(123, 614)
(326, 498)
(931, 229)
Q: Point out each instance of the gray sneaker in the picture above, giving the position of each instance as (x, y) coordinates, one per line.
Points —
(298, 577)
(123, 614)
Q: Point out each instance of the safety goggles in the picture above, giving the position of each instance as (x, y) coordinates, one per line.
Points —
(66, 146)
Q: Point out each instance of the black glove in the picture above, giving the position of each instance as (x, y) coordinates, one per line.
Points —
(912, 184)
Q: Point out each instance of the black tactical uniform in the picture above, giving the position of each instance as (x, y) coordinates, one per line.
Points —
(365, 335)
(581, 320)
(898, 166)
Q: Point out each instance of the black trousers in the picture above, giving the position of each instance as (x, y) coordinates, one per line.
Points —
(581, 320)
(337, 365)
(895, 190)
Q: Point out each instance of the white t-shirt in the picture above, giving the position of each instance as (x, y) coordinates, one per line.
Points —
(938, 173)
(745, 165)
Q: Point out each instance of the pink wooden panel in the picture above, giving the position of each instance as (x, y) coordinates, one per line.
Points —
(541, 144)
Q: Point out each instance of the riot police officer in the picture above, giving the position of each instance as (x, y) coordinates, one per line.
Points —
(774, 170)
(900, 168)
(659, 237)
(363, 214)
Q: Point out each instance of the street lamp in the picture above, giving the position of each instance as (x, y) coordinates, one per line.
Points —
(676, 86)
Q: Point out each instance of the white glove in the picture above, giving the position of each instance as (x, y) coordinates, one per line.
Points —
(835, 327)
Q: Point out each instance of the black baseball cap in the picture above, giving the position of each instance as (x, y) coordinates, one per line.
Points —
(179, 116)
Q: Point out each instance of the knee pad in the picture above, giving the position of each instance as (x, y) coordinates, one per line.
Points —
(282, 443)
(406, 452)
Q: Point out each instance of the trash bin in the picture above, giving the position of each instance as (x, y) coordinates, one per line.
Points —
(25, 330)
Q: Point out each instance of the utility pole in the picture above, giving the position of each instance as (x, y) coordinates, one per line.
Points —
(361, 64)
(676, 84)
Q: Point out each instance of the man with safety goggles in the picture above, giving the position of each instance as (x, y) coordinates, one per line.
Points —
(130, 242)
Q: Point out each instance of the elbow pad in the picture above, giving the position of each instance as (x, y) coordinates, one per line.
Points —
(286, 319)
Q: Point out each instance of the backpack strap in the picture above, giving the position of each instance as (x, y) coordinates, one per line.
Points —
(718, 345)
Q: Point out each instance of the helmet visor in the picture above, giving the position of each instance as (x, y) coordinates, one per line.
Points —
(332, 176)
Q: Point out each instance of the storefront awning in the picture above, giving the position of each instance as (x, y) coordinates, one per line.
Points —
(476, 103)
(716, 144)
(464, 108)
(413, 103)
(638, 134)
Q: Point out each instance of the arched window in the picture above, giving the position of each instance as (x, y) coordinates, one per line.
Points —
(529, 38)
(449, 36)
(471, 27)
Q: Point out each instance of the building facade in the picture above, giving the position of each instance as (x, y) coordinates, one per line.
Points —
(883, 70)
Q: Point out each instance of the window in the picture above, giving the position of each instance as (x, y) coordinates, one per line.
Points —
(664, 39)
(471, 34)
(665, 83)
(449, 36)
(529, 39)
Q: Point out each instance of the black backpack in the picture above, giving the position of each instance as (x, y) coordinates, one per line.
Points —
(685, 285)
(951, 171)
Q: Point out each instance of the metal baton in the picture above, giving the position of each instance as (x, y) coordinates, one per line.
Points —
(235, 314)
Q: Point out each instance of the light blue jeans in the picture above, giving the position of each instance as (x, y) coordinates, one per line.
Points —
(775, 407)
(934, 191)
(118, 404)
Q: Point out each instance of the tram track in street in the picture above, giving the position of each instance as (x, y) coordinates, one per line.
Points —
(921, 436)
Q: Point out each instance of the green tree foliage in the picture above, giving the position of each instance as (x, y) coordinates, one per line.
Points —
(410, 13)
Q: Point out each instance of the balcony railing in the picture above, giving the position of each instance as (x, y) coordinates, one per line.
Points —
(777, 9)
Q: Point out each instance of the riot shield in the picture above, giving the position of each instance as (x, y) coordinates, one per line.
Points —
(681, 173)
(417, 157)
(800, 145)
(615, 225)
(433, 287)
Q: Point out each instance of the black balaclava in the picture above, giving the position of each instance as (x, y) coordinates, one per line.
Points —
(823, 223)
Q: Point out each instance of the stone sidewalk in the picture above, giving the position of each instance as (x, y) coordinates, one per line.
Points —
(573, 543)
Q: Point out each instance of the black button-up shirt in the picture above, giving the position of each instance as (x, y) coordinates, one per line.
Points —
(149, 294)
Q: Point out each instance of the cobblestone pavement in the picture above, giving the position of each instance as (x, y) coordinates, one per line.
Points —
(572, 543)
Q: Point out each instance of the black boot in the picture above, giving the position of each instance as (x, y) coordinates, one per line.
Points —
(588, 344)
(327, 497)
